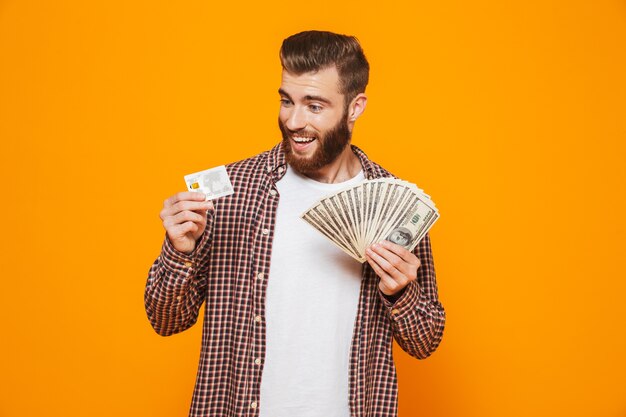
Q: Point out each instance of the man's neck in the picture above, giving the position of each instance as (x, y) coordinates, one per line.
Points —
(346, 166)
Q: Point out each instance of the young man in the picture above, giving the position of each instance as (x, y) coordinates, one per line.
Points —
(293, 326)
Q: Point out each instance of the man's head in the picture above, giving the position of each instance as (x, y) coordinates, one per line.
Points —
(314, 50)
(322, 95)
(400, 236)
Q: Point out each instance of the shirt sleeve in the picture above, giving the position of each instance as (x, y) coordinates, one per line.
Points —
(417, 317)
(177, 285)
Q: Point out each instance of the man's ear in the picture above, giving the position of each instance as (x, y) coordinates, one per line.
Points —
(357, 107)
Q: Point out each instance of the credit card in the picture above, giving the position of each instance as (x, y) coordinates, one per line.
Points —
(214, 182)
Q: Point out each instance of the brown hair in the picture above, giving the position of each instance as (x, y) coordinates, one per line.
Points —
(314, 50)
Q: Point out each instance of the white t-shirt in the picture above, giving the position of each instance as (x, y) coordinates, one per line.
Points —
(311, 305)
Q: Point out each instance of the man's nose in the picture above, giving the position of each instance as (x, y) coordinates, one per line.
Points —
(296, 119)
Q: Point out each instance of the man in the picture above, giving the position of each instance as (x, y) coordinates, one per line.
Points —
(401, 236)
(293, 326)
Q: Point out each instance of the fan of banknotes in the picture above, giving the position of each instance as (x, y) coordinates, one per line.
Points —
(373, 211)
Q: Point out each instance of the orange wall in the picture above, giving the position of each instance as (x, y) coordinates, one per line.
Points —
(510, 114)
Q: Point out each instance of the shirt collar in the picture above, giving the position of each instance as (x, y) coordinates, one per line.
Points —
(276, 164)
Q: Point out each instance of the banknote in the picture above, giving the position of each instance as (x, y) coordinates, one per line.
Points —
(371, 211)
(408, 229)
(214, 182)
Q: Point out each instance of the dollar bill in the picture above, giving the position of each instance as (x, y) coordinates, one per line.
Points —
(372, 211)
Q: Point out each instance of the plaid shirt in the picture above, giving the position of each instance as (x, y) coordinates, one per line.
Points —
(228, 270)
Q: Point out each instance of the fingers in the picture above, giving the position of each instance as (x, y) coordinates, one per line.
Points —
(184, 196)
(393, 259)
(182, 205)
(182, 229)
(183, 217)
(385, 279)
(408, 256)
(395, 265)
(389, 263)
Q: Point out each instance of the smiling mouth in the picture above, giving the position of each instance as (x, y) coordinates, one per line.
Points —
(300, 139)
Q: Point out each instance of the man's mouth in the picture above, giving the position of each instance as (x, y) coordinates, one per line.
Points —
(302, 139)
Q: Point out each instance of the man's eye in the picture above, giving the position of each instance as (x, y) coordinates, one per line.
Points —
(315, 108)
(284, 102)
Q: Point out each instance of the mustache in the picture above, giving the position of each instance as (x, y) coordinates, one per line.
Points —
(288, 133)
(300, 133)
(303, 135)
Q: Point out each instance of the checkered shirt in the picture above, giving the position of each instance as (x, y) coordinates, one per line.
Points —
(228, 271)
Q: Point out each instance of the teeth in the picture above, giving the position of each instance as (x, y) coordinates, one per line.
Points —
(303, 140)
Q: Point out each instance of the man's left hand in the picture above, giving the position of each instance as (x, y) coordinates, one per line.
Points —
(395, 266)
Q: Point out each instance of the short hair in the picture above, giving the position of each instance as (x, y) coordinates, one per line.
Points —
(315, 50)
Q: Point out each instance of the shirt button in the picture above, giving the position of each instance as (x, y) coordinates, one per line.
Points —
(258, 319)
(266, 231)
(273, 192)
(257, 361)
(178, 298)
(253, 404)
(395, 311)
(280, 170)
(260, 275)
(188, 264)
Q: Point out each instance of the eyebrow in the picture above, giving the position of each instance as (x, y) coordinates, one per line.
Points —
(307, 97)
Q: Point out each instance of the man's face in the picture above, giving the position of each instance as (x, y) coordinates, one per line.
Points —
(313, 119)
(399, 238)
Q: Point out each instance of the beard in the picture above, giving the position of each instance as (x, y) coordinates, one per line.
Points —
(330, 146)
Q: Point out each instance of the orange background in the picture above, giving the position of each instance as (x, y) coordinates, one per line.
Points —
(510, 114)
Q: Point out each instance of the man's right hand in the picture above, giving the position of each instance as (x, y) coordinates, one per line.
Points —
(184, 218)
